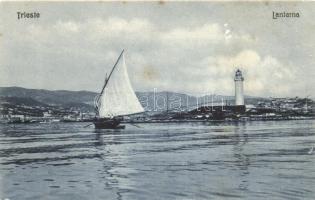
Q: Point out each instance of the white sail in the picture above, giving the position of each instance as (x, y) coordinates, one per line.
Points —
(118, 97)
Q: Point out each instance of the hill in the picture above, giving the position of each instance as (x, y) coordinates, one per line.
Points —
(22, 101)
(57, 97)
(151, 101)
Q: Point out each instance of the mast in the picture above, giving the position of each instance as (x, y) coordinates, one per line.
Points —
(106, 81)
(111, 72)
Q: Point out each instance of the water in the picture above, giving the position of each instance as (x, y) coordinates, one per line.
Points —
(252, 160)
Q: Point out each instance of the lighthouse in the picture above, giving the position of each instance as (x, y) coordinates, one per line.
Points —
(239, 91)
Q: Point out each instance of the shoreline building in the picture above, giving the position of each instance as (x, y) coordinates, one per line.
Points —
(239, 89)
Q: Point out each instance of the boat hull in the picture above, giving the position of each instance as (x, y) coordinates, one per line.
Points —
(108, 123)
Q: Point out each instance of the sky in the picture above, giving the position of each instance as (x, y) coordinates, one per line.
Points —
(189, 47)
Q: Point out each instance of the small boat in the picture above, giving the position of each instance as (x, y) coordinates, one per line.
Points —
(116, 99)
(108, 123)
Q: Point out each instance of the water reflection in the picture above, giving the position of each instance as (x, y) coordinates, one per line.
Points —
(111, 162)
(173, 161)
(241, 156)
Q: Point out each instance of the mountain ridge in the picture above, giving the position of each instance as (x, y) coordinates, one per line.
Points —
(151, 101)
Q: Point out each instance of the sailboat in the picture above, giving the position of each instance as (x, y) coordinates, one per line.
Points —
(116, 99)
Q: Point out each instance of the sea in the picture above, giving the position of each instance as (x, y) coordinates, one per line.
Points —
(167, 161)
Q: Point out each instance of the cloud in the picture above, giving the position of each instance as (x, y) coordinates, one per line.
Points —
(263, 75)
(193, 59)
(198, 36)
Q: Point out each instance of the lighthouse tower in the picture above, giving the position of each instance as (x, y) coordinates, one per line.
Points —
(239, 91)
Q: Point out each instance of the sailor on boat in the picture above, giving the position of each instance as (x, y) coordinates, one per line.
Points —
(116, 99)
